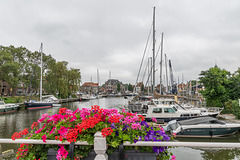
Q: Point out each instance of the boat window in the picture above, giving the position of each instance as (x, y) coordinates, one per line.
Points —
(174, 108)
(157, 110)
(185, 115)
(168, 110)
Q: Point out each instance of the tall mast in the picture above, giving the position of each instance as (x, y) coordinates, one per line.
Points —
(153, 51)
(160, 91)
(41, 48)
(166, 73)
(148, 74)
(98, 80)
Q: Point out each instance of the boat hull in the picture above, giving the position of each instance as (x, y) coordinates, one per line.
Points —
(167, 119)
(2, 110)
(35, 106)
(207, 132)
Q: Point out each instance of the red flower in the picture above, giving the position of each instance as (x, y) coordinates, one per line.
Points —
(129, 114)
(62, 110)
(141, 118)
(34, 125)
(72, 135)
(114, 119)
(24, 132)
(106, 131)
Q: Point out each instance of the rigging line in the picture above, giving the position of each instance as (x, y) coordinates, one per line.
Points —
(145, 70)
(143, 57)
(153, 62)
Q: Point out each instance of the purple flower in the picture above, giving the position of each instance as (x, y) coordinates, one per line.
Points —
(135, 140)
(139, 138)
(113, 126)
(144, 123)
(125, 127)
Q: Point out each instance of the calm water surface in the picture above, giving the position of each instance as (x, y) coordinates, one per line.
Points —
(19, 120)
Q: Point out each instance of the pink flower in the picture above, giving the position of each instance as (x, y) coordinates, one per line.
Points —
(62, 153)
(44, 116)
(173, 157)
(38, 131)
(154, 119)
(136, 126)
(44, 137)
(68, 111)
(52, 130)
(63, 131)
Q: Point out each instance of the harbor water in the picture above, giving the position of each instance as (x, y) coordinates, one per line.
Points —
(15, 122)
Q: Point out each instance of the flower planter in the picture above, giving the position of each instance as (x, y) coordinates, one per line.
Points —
(51, 155)
(125, 155)
(117, 155)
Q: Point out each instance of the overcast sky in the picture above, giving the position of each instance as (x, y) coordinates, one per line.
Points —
(110, 35)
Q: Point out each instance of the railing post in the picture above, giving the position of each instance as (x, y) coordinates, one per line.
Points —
(100, 146)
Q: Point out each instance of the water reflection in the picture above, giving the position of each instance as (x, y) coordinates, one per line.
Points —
(216, 154)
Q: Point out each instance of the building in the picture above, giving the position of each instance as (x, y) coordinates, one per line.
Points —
(139, 87)
(89, 87)
(4, 88)
(111, 86)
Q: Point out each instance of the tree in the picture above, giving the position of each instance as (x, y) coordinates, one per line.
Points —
(118, 87)
(142, 87)
(215, 81)
(130, 88)
(9, 69)
(234, 85)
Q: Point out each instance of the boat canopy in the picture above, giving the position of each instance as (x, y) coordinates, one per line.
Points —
(200, 120)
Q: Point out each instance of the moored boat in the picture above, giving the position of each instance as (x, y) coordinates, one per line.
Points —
(41, 104)
(166, 113)
(7, 108)
(201, 127)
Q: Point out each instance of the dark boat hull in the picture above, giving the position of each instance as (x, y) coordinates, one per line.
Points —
(34, 106)
(207, 132)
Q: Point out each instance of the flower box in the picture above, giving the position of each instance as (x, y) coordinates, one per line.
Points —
(117, 155)
(127, 155)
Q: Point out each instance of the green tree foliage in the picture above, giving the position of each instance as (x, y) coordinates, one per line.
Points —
(142, 87)
(234, 85)
(118, 87)
(130, 88)
(9, 68)
(19, 65)
(216, 82)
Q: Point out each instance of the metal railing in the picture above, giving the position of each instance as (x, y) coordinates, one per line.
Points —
(100, 145)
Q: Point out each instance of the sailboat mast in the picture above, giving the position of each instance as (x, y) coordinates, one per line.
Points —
(153, 70)
(166, 73)
(41, 48)
(98, 80)
(160, 91)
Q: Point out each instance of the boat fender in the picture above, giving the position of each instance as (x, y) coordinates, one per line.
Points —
(181, 130)
(211, 133)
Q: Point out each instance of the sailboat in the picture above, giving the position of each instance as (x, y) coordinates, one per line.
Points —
(32, 105)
